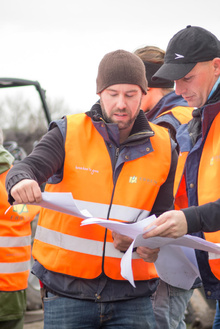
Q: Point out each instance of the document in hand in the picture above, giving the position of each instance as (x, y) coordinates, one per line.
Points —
(176, 263)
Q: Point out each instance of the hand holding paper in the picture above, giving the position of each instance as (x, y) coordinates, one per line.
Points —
(176, 263)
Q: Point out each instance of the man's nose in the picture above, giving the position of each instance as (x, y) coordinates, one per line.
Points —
(179, 87)
(121, 102)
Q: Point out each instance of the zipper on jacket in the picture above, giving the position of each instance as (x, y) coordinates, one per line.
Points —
(109, 209)
(114, 181)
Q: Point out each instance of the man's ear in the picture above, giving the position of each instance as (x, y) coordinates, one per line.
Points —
(216, 64)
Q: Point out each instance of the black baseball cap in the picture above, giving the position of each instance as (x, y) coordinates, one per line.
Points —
(187, 48)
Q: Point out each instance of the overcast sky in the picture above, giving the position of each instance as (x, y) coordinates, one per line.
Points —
(61, 42)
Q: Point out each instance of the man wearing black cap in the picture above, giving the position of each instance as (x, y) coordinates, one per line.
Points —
(192, 60)
(162, 106)
(109, 158)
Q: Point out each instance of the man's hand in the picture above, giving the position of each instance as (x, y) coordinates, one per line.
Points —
(27, 190)
(147, 254)
(171, 224)
(121, 242)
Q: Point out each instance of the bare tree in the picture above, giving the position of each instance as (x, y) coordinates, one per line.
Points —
(24, 122)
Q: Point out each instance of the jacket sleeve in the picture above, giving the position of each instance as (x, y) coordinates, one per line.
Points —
(165, 199)
(44, 161)
(204, 218)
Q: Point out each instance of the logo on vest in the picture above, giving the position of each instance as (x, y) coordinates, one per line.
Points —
(20, 208)
(135, 179)
(91, 171)
(132, 179)
(214, 159)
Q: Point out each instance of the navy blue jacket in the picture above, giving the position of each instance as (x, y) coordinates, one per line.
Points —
(191, 138)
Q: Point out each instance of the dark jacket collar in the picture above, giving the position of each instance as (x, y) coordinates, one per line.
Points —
(203, 117)
(140, 130)
(215, 97)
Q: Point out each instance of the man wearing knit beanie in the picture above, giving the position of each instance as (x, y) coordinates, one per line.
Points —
(122, 74)
(121, 67)
(109, 158)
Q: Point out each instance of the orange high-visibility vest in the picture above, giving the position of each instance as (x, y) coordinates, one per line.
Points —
(181, 113)
(208, 183)
(61, 244)
(15, 242)
(179, 187)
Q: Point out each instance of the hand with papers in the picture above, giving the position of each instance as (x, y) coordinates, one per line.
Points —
(176, 263)
(123, 242)
(171, 224)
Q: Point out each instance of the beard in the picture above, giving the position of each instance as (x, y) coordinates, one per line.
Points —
(122, 124)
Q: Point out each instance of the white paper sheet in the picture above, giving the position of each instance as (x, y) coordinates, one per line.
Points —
(176, 263)
(62, 202)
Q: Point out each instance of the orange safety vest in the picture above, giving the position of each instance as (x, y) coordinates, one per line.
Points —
(61, 244)
(181, 113)
(179, 187)
(15, 242)
(208, 183)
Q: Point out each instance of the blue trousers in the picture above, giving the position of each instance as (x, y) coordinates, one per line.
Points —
(71, 313)
(216, 323)
(169, 304)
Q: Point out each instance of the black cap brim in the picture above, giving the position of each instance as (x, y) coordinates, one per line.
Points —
(169, 71)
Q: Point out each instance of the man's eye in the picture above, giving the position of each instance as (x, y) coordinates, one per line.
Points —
(187, 79)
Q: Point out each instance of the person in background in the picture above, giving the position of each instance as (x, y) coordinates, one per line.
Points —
(192, 60)
(162, 106)
(15, 251)
(113, 169)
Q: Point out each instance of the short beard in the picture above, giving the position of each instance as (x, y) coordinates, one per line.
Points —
(108, 119)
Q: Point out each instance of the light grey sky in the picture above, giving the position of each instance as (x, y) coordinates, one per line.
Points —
(61, 42)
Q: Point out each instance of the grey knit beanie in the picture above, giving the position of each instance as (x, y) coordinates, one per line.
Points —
(121, 67)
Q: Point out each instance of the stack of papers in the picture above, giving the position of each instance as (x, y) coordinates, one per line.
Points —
(176, 263)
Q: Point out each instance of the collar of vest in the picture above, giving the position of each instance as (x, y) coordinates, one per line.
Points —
(140, 130)
(203, 117)
(215, 97)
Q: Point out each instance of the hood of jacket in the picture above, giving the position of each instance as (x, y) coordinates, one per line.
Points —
(6, 159)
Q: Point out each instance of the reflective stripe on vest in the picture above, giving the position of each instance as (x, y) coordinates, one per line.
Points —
(72, 243)
(14, 267)
(15, 242)
(118, 212)
(20, 241)
(61, 244)
(212, 255)
(208, 183)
